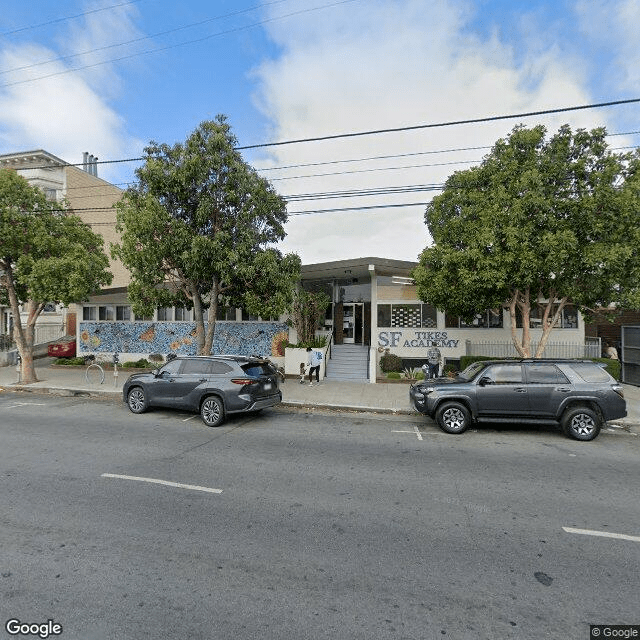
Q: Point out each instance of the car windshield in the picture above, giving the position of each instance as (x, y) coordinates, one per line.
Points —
(472, 370)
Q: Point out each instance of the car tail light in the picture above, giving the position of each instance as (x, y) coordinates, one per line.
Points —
(619, 390)
(242, 381)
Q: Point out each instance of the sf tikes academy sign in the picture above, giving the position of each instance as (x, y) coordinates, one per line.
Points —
(416, 339)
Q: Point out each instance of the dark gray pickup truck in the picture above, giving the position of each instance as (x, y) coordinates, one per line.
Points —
(577, 394)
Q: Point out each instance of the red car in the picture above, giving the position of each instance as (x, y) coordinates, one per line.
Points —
(62, 350)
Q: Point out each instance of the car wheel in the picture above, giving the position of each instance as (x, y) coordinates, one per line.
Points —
(581, 423)
(136, 400)
(453, 417)
(212, 411)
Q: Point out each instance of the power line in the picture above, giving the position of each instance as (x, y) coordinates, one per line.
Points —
(153, 35)
(179, 44)
(449, 123)
(56, 20)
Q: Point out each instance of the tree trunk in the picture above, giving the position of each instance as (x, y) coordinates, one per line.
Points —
(24, 336)
(213, 314)
(548, 324)
(521, 301)
(198, 316)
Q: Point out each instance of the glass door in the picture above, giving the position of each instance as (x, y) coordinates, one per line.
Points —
(348, 323)
(352, 322)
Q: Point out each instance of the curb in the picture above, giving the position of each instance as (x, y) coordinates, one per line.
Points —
(343, 407)
(61, 391)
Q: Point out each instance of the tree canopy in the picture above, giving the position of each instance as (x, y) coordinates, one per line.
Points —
(539, 223)
(46, 255)
(198, 230)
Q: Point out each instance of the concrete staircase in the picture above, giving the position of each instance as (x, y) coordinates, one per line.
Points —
(348, 362)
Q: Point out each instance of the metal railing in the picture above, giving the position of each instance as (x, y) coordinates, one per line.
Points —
(6, 343)
(591, 348)
(43, 334)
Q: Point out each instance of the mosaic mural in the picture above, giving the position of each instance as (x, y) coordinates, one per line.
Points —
(243, 338)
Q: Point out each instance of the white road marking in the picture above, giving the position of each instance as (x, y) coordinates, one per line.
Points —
(189, 418)
(26, 404)
(418, 433)
(165, 482)
(602, 534)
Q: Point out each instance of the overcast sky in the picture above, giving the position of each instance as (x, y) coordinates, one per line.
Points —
(107, 77)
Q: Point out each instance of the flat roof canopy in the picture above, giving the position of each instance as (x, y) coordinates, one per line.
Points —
(356, 268)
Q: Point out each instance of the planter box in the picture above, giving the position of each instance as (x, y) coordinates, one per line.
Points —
(293, 356)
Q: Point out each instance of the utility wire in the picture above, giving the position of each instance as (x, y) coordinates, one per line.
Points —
(57, 20)
(178, 44)
(153, 35)
(448, 123)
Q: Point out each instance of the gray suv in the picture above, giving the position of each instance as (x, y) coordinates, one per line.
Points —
(214, 386)
(577, 394)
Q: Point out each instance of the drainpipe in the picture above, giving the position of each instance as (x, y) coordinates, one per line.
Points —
(373, 359)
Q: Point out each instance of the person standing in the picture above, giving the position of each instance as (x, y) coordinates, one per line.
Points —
(434, 360)
(314, 360)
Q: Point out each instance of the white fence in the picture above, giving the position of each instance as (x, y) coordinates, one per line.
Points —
(44, 333)
(590, 349)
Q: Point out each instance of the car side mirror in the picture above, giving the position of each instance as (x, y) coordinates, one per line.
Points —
(485, 380)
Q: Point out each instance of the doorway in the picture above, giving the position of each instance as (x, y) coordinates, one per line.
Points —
(352, 322)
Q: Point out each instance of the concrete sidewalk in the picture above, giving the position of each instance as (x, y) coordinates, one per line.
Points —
(347, 396)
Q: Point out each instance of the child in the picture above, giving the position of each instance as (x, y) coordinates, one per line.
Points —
(303, 369)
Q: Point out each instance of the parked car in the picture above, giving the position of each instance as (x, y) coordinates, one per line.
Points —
(62, 349)
(214, 386)
(577, 394)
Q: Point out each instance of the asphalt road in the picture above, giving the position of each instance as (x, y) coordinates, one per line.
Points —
(319, 525)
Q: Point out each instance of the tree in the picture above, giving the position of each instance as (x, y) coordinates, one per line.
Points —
(197, 230)
(308, 311)
(539, 223)
(46, 255)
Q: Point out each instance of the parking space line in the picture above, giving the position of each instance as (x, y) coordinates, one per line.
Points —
(168, 483)
(26, 404)
(602, 534)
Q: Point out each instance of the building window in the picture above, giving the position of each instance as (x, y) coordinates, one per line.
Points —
(407, 315)
(226, 313)
(384, 315)
(248, 317)
(429, 316)
(488, 319)
(182, 314)
(123, 313)
(568, 318)
(107, 313)
(89, 313)
(165, 314)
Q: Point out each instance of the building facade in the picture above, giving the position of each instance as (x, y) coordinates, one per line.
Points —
(374, 306)
(86, 195)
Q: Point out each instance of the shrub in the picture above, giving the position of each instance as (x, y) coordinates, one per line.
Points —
(449, 370)
(391, 362)
(315, 343)
(70, 361)
(413, 374)
(156, 357)
(394, 375)
(143, 363)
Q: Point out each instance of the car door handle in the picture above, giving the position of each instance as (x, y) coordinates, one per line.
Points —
(563, 389)
(202, 380)
(520, 390)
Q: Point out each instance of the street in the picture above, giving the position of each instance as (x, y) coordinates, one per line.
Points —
(310, 525)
